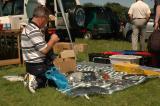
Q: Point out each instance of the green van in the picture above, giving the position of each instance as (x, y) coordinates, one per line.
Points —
(100, 21)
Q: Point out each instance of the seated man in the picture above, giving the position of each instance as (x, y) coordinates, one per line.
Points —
(35, 48)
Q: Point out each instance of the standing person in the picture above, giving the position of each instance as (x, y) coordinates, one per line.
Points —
(157, 14)
(154, 40)
(139, 14)
(31, 5)
(35, 48)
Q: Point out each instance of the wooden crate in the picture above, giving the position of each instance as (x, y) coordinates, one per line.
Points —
(10, 47)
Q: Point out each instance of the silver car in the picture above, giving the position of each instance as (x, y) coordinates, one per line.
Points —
(127, 32)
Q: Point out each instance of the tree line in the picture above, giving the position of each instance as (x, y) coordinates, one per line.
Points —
(121, 11)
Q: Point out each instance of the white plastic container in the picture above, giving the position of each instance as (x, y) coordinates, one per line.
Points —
(114, 59)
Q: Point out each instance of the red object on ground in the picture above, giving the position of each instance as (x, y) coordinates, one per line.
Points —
(111, 53)
(144, 54)
(105, 76)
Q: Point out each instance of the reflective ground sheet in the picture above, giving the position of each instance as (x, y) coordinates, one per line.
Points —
(95, 78)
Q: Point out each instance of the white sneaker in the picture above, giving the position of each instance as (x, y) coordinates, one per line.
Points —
(32, 83)
(25, 81)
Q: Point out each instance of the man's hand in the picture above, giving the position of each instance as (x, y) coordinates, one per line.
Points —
(156, 26)
(52, 17)
(130, 17)
(55, 38)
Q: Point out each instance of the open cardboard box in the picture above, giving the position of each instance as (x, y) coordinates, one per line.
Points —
(61, 46)
(80, 48)
(66, 61)
(65, 65)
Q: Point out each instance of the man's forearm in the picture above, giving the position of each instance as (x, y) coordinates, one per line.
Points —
(156, 21)
(54, 39)
(157, 14)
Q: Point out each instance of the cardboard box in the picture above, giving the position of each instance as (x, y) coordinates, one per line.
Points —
(65, 65)
(80, 48)
(15, 22)
(60, 46)
(67, 54)
(12, 22)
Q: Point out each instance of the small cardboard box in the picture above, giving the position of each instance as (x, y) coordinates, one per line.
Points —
(60, 46)
(65, 64)
(80, 48)
(67, 54)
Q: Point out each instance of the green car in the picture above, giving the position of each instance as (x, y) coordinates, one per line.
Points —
(100, 21)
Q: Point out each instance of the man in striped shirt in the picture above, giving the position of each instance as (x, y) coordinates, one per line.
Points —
(35, 48)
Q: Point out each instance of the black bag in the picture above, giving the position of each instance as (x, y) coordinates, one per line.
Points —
(154, 42)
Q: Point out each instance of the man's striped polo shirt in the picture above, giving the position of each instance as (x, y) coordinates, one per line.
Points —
(32, 43)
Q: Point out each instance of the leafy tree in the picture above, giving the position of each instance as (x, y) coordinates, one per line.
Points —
(90, 5)
(120, 10)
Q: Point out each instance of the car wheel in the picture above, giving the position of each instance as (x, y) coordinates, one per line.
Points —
(88, 35)
(129, 36)
(77, 17)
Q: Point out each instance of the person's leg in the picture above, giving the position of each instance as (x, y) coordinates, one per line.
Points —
(37, 70)
(142, 39)
(142, 34)
(30, 79)
(135, 37)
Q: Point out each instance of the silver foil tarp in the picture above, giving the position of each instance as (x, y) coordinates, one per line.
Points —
(95, 78)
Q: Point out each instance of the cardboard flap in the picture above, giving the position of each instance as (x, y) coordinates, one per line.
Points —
(67, 54)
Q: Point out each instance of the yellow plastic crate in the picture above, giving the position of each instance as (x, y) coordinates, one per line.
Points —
(128, 67)
(150, 71)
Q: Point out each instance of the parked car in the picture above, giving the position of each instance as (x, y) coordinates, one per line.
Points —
(127, 32)
(100, 21)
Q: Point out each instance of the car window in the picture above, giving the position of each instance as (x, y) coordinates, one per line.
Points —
(101, 14)
(50, 5)
(18, 7)
(7, 8)
(68, 4)
(102, 17)
(1, 5)
(12, 7)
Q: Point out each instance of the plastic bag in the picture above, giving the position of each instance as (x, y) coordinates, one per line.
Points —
(58, 78)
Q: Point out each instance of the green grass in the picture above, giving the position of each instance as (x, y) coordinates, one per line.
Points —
(95, 46)
(14, 93)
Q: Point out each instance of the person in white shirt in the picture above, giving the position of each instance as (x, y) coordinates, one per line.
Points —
(139, 14)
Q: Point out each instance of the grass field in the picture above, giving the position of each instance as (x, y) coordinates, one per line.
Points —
(14, 93)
